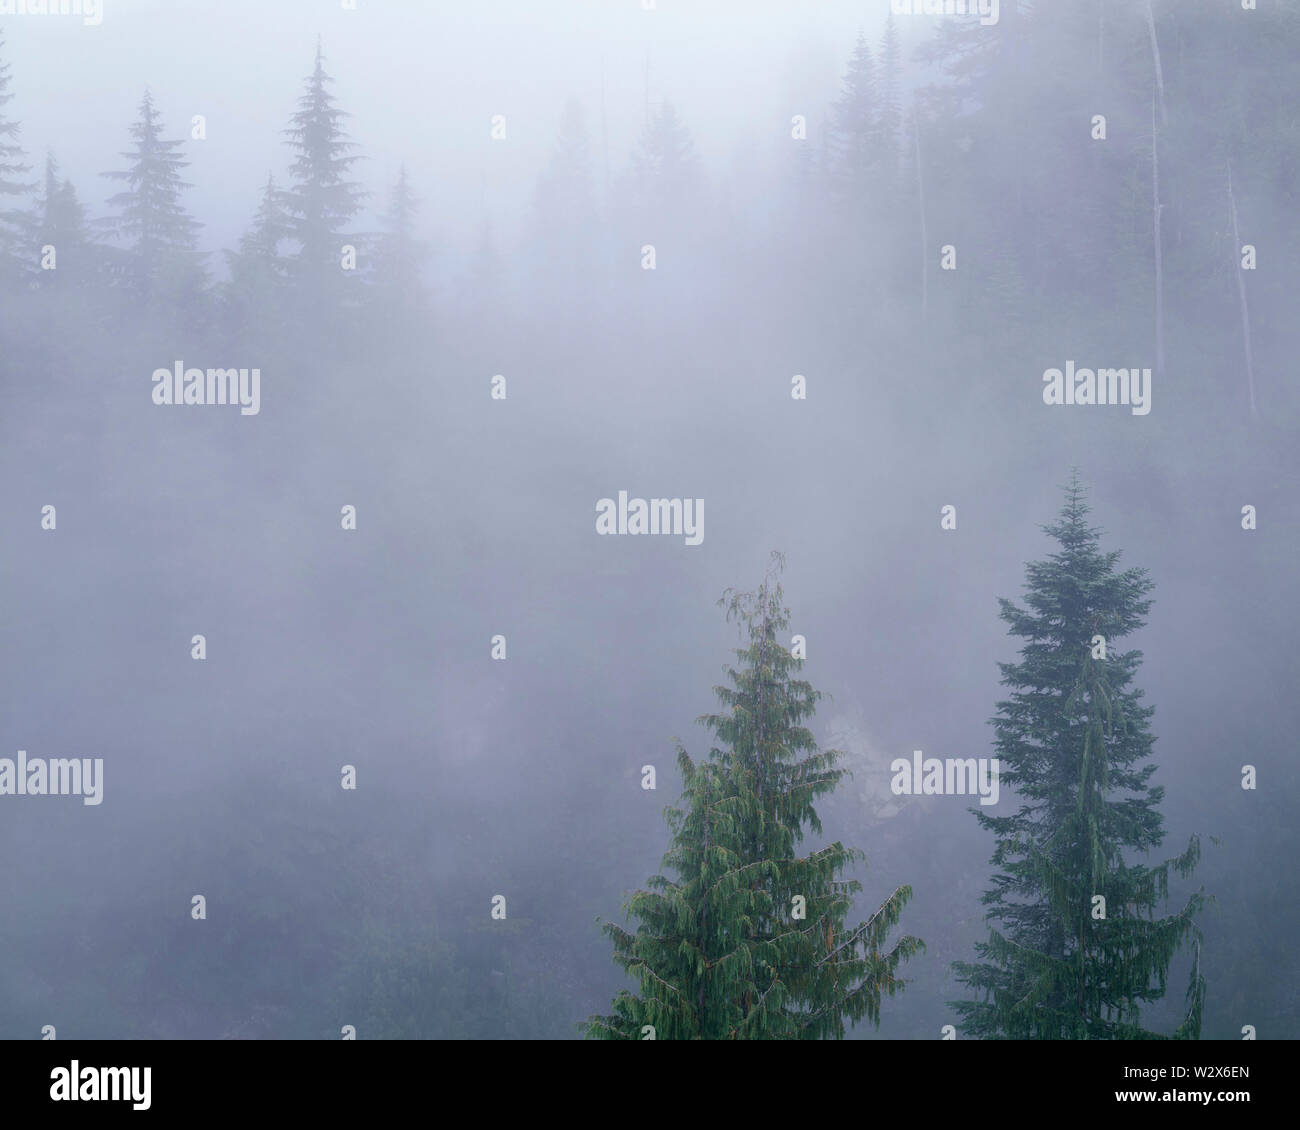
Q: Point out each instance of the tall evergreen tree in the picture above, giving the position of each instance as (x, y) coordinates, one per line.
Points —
(161, 261)
(566, 190)
(890, 116)
(258, 268)
(749, 940)
(58, 222)
(12, 185)
(566, 233)
(322, 199)
(665, 179)
(856, 154)
(1074, 741)
(400, 255)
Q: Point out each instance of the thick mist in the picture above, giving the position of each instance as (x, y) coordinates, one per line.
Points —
(674, 252)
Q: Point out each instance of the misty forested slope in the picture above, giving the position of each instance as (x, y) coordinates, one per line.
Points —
(828, 312)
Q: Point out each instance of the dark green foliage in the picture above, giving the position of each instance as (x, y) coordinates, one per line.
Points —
(718, 953)
(1074, 743)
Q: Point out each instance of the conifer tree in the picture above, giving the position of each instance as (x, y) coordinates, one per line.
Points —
(258, 268)
(400, 255)
(665, 178)
(891, 103)
(1074, 742)
(856, 154)
(161, 261)
(12, 184)
(747, 939)
(322, 198)
(58, 222)
(565, 221)
(566, 192)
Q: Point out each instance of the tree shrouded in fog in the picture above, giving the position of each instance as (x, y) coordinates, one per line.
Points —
(400, 254)
(58, 223)
(258, 269)
(565, 221)
(872, 235)
(1077, 950)
(12, 169)
(665, 180)
(750, 940)
(321, 199)
(162, 261)
(856, 152)
(890, 101)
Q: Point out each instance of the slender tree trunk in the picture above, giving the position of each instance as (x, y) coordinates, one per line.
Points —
(920, 197)
(1155, 56)
(1241, 294)
(1160, 277)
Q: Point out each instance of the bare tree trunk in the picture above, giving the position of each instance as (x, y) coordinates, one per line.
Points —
(1160, 277)
(1155, 55)
(920, 196)
(1241, 294)
(1101, 34)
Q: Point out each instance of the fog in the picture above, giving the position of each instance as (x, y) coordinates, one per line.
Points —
(920, 286)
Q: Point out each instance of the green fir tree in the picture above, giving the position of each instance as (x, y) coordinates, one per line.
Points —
(1074, 742)
(749, 940)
